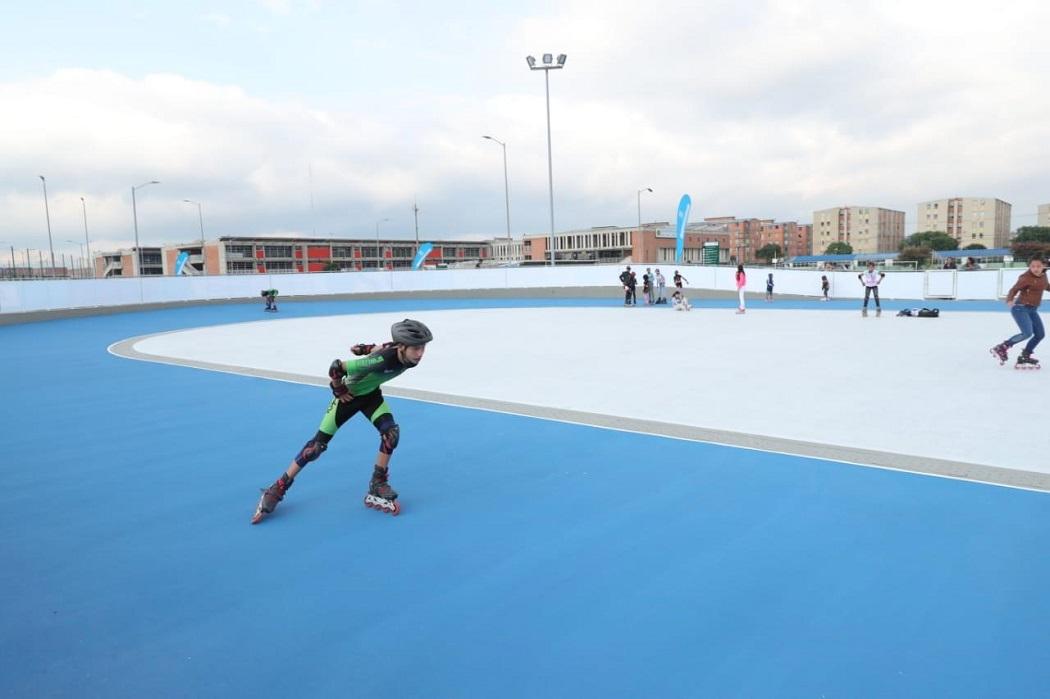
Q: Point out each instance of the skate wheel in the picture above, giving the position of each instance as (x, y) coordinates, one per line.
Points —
(397, 509)
(368, 503)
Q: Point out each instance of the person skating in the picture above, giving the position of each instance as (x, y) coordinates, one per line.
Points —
(825, 286)
(769, 288)
(355, 386)
(271, 299)
(680, 302)
(678, 279)
(741, 284)
(871, 280)
(661, 286)
(1029, 294)
(627, 278)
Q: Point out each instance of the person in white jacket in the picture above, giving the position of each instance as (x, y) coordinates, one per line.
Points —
(680, 302)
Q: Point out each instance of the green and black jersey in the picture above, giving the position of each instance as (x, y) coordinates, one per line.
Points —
(367, 374)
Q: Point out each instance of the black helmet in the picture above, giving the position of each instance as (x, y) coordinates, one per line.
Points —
(410, 332)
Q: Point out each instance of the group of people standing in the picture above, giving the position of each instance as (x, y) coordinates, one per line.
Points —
(654, 286)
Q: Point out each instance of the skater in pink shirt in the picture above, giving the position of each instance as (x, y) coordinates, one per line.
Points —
(741, 284)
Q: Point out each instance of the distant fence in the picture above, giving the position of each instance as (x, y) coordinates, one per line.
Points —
(67, 294)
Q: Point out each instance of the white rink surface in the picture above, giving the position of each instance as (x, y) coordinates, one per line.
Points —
(915, 386)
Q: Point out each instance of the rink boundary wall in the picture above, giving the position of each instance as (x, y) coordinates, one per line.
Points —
(28, 296)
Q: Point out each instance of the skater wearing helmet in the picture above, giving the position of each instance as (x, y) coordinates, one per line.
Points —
(355, 385)
(1029, 293)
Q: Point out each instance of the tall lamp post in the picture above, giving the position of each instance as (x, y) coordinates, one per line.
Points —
(91, 260)
(47, 212)
(506, 182)
(547, 67)
(200, 218)
(647, 189)
(135, 219)
(379, 256)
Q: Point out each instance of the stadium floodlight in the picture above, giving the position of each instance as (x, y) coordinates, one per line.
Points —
(531, 60)
(547, 59)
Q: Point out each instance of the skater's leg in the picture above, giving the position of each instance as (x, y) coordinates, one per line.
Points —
(867, 293)
(1024, 324)
(875, 292)
(740, 293)
(1037, 331)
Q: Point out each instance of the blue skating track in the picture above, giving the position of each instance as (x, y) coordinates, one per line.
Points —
(533, 558)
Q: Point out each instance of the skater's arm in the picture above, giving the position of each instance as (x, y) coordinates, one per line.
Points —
(1020, 284)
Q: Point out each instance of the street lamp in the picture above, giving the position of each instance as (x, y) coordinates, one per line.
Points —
(547, 67)
(200, 218)
(47, 212)
(135, 218)
(647, 189)
(81, 254)
(83, 205)
(379, 257)
(506, 185)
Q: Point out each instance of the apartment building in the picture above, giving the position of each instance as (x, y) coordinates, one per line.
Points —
(653, 242)
(1044, 216)
(867, 229)
(969, 220)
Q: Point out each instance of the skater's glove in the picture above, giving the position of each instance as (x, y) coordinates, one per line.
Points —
(362, 349)
(341, 392)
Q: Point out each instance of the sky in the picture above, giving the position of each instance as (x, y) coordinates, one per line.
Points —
(288, 117)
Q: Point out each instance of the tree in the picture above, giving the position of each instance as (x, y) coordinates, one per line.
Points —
(934, 240)
(769, 252)
(1032, 234)
(975, 246)
(1027, 251)
(839, 248)
(915, 253)
(331, 266)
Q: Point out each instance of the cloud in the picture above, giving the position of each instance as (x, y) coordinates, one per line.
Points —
(770, 109)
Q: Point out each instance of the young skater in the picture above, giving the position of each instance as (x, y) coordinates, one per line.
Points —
(271, 299)
(1029, 293)
(871, 280)
(825, 286)
(680, 302)
(741, 284)
(355, 385)
(629, 283)
(678, 279)
(647, 286)
(661, 286)
(769, 287)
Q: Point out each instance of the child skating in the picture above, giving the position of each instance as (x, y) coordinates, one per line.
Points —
(355, 386)
(1029, 294)
(271, 299)
(825, 286)
(680, 302)
(741, 284)
(871, 280)
(769, 288)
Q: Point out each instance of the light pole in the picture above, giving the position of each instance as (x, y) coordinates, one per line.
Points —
(47, 212)
(135, 218)
(200, 218)
(547, 67)
(647, 189)
(83, 205)
(506, 185)
(81, 254)
(379, 256)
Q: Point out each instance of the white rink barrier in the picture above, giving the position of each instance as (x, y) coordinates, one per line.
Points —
(63, 294)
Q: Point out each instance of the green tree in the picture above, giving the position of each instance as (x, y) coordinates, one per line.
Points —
(1027, 251)
(839, 248)
(918, 254)
(769, 252)
(1032, 234)
(331, 267)
(934, 240)
(975, 246)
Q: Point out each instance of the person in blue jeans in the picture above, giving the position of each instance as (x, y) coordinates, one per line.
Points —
(1028, 292)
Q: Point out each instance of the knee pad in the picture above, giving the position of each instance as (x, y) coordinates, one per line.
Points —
(389, 434)
(310, 451)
